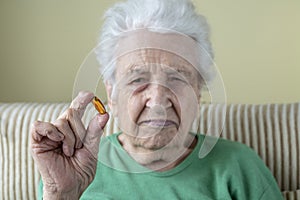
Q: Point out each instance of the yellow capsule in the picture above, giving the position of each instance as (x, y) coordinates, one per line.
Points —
(99, 105)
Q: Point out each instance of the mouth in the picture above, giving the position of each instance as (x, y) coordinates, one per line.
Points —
(158, 123)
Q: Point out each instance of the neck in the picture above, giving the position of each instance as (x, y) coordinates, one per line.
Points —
(158, 159)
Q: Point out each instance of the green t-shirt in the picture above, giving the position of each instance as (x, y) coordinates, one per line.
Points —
(230, 171)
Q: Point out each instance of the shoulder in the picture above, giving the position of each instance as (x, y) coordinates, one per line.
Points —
(244, 170)
(232, 150)
(236, 158)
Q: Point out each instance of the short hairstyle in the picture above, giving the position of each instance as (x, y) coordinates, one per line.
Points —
(175, 15)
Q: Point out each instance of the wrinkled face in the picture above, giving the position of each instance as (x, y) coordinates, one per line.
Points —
(155, 98)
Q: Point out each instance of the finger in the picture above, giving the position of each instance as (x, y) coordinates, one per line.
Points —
(45, 129)
(81, 101)
(73, 115)
(69, 137)
(77, 127)
(94, 132)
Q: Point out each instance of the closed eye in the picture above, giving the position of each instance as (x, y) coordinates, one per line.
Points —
(138, 80)
(176, 78)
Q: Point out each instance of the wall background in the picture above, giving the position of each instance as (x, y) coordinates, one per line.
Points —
(43, 44)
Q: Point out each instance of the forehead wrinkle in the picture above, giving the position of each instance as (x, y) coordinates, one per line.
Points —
(156, 67)
(141, 60)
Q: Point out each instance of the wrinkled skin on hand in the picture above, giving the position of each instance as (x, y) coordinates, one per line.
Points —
(66, 152)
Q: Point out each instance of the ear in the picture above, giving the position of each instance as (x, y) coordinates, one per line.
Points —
(111, 103)
(198, 93)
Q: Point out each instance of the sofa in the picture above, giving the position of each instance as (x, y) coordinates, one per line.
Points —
(272, 130)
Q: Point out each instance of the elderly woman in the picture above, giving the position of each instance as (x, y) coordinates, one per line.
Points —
(155, 57)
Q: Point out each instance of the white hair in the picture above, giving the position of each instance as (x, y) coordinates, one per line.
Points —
(175, 15)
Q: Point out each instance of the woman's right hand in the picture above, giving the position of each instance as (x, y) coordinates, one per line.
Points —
(66, 152)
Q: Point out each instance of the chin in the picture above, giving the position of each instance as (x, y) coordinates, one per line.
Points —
(158, 140)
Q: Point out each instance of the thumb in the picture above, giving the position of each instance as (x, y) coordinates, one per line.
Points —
(94, 133)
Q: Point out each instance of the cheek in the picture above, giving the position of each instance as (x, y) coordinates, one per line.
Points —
(135, 107)
(130, 107)
(189, 105)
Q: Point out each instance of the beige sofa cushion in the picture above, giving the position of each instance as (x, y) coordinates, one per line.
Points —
(272, 130)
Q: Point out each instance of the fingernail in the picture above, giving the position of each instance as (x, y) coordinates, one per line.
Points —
(79, 145)
(71, 151)
(68, 151)
(48, 132)
(61, 136)
(38, 137)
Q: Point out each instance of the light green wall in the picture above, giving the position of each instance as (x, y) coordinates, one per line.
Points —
(43, 43)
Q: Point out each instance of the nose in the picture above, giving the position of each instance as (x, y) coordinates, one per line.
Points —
(158, 94)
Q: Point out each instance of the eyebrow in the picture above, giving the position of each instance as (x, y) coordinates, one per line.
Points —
(136, 70)
(173, 69)
(180, 71)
